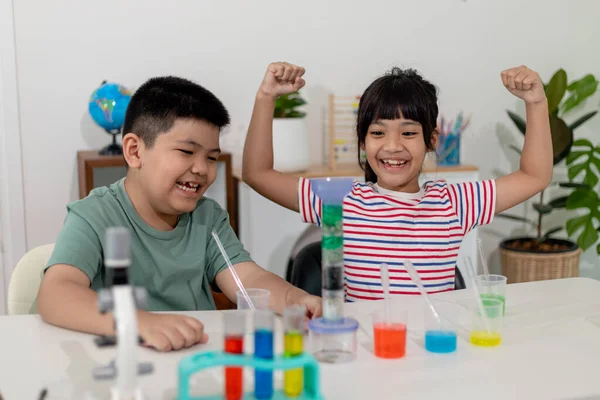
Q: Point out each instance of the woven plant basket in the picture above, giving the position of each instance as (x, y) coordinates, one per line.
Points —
(527, 266)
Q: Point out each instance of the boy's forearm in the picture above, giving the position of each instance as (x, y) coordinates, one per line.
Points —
(72, 306)
(258, 148)
(282, 292)
(537, 155)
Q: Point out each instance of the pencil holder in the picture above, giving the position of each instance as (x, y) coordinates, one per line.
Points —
(448, 150)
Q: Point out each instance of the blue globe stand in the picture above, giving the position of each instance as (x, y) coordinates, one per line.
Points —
(197, 362)
(113, 149)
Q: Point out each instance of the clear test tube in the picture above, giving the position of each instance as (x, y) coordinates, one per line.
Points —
(234, 328)
(264, 324)
(293, 346)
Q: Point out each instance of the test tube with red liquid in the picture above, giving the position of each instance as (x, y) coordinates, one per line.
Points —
(235, 328)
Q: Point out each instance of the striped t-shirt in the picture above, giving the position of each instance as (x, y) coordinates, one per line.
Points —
(425, 228)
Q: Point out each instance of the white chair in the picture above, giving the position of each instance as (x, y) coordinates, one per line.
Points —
(26, 279)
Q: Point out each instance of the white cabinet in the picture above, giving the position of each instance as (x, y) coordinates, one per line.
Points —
(269, 231)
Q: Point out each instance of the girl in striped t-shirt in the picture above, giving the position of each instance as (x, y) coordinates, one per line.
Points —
(391, 217)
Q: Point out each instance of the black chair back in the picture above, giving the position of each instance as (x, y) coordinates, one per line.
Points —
(304, 271)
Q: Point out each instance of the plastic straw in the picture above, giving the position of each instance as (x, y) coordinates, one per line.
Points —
(235, 275)
(486, 271)
(412, 272)
(385, 284)
(471, 273)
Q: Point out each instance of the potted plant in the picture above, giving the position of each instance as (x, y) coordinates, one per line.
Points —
(545, 256)
(290, 135)
(586, 224)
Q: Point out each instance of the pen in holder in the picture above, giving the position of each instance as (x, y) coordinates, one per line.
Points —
(448, 146)
(448, 150)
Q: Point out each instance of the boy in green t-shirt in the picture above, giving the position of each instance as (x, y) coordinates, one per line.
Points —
(171, 146)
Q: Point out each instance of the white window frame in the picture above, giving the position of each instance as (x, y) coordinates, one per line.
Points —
(13, 238)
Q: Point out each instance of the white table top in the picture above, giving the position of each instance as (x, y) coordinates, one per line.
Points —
(550, 350)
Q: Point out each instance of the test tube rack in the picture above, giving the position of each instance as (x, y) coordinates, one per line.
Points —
(197, 362)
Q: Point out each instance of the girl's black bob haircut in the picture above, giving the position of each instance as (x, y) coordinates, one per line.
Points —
(397, 94)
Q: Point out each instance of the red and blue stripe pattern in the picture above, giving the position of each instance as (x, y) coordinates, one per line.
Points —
(427, 231)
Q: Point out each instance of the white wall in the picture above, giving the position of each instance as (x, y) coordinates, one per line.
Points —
(66, 48)
(12, 217)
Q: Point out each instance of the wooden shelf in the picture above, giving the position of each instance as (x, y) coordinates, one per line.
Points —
(322, 171)
(87, 161)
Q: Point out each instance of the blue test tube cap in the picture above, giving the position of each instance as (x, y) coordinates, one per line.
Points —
(333, 327)
(331, 190)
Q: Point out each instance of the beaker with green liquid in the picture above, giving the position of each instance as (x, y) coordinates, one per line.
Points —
(492, 287)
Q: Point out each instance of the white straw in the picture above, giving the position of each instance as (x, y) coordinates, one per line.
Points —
(486, 271)
(385, 284)
(471, 273)
(412, 272)
(235, 275)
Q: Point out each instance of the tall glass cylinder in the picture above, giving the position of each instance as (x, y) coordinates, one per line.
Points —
(332, 262)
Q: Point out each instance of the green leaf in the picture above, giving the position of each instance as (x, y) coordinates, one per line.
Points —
(598, 249)
(595, 160)
(581, 82)
(285, 106)
(542, 208)
(588, 237)
(517, 218)
(574, 155)
(556, 90)
(570, 103)
(583, 142)
(552, 231)
(573, 185)
(295, 114)
(562, 138)
(559, 202)
(574, 224)
(582, 198)
(590, 177)
(294, 102)
(518, 121)
(574, 170)
(579, 91)
(580, 121)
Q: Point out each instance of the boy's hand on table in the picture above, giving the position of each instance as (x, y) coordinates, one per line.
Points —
(312, 303)
(166, 332)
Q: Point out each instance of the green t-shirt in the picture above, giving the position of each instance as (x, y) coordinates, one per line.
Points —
(177, 267)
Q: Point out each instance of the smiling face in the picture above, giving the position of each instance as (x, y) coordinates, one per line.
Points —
(175, 171)
(396, 127)
(181, 165)
(395, 150)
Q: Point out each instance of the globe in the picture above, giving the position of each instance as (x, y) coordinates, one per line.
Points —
(107, 107)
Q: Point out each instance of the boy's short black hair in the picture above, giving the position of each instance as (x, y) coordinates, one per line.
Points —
(160, 101)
